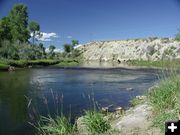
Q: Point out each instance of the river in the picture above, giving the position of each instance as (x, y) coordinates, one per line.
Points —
(28, 93)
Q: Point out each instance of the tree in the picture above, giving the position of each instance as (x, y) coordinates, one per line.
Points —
(52, 48)
(5, 29)
(42, 49)
(19, 21)
(67, 48)
(51, 51)
(34, 28)
(8, 50)
(74, 43)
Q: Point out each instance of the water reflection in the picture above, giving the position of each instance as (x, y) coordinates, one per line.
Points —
(13, 105)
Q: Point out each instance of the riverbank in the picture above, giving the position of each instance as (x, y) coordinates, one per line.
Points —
(158, 64)
(7, 64)
(161, 104)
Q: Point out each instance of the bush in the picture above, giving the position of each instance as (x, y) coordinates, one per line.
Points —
(67, 48)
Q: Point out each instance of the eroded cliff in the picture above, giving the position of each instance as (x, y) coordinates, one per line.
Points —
(135, 49)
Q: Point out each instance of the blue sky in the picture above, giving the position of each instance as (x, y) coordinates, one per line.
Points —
(89, 20)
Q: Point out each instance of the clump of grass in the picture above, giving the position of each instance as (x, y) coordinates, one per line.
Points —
(58, 126)
(165, 96)
(136, 101)
(95, 122)
(165, 101)
(160, 119)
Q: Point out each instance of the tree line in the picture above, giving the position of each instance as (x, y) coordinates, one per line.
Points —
(18, 38)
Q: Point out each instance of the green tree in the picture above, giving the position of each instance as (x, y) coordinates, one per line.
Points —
(52, 48)
(9, 50)
(34, 28)
(74, 43)
(67, 48)
(19, 23)
(5, 29)
(42, 49)
(51, 51)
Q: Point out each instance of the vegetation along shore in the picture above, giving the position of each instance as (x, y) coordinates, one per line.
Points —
(20, 48)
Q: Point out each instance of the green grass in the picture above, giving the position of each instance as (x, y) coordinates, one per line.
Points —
(3, 67)
(95, 122)
(58, 126)
(161, 63)
(136, 101)
(68, 63)
(165, 101)
(25, 63)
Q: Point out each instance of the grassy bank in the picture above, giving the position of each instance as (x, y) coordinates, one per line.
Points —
(4, 64)
(3, 67)
(26, 63)
(161, 64)
(93, 123)
(165, 101)
(68, 62)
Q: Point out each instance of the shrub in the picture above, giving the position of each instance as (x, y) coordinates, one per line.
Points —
(168, 51)
(67, 48)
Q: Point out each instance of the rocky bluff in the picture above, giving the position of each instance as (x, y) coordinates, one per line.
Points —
(133, 49)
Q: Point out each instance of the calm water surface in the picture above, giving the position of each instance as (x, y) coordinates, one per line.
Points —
(27, 93)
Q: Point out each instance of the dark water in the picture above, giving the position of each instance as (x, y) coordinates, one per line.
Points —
(47, 88)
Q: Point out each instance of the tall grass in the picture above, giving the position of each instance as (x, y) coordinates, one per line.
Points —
(96, 123)
(60, 125)
(165, 100)
(57, 126)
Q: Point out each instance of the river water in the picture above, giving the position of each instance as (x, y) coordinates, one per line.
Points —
(28, 93)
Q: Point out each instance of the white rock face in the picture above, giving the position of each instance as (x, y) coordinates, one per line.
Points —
(135, 49)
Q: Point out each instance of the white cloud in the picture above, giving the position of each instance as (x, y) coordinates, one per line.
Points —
(46, 36)
(57, 50)
(69, 37)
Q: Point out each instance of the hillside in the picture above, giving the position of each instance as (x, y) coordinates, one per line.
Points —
(133, 49)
